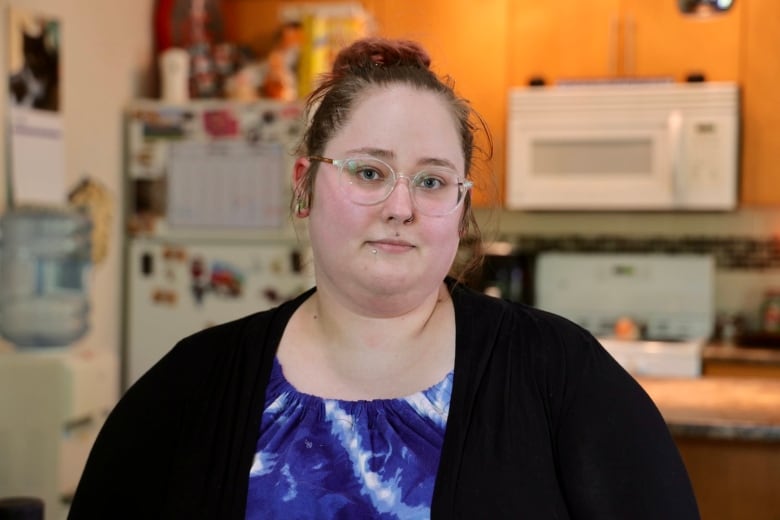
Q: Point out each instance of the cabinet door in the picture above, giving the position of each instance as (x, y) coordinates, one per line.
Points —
(466, 40)
(619, 38)
(570, 39)
(760, 78)
(658, 40)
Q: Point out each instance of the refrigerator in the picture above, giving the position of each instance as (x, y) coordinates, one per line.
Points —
(208, 233)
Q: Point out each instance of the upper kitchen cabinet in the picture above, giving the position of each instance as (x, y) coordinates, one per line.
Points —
(572, 39)
(467, 40)
(760, 80)
(619, 38)
(661, 41)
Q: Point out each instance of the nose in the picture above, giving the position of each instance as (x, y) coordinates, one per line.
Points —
(399, 204)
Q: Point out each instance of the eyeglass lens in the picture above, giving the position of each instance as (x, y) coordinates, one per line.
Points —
(436, 191)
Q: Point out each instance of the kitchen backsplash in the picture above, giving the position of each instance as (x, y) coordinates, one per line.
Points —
(745, 243)
(742, 253)
(746, 266)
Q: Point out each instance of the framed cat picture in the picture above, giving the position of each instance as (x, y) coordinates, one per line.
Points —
(34, 60)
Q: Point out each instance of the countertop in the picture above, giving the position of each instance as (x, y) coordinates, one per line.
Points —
(718, 407)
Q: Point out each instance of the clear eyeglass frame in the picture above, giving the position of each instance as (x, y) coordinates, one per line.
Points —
(376, 191)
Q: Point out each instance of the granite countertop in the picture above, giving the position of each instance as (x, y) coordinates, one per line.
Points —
(718, 407)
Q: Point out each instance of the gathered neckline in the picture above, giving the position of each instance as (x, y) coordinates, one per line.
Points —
(279, 385)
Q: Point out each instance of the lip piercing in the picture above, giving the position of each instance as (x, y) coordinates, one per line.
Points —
(373, 251)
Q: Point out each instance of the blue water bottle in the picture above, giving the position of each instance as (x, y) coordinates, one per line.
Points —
(45, 256)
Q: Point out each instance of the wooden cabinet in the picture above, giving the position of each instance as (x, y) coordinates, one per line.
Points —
(733, 479)
(619, 38)
(664, 42)
(760, 80)
(726, 430)
(572, 39)
(467, 40)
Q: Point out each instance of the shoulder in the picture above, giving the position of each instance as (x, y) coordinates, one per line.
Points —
(518, 320)
(534, 352)
(499, 335)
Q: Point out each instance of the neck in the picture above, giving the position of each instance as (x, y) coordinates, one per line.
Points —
(334, 351)
(381, 298)
(374, 329)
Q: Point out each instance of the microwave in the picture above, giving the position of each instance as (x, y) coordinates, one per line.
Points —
(623, 146)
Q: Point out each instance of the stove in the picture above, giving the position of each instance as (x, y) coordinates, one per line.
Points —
(652, 312)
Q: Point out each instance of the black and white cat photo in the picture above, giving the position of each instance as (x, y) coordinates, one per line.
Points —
(36, 83)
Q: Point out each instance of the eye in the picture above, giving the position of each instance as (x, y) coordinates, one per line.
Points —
(367, 173)
(433, 181)
(364, 171)
(430, 183)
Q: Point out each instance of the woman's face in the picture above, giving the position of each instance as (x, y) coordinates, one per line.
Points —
(387, 254)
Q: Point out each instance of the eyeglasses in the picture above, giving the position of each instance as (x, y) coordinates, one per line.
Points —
(436, 191)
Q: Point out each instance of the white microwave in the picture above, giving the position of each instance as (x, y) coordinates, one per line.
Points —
(623, 146)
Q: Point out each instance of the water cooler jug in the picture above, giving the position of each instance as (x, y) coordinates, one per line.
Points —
(44, 263)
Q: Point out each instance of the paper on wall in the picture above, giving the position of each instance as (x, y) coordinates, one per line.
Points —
(37, 157)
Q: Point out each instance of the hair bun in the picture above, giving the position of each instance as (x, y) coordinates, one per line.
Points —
(380, 52)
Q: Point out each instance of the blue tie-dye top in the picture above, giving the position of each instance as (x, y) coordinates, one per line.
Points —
(327, 458)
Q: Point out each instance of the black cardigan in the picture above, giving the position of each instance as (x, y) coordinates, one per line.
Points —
(543, 424)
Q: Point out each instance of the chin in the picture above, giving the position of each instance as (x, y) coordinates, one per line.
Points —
(402, 283)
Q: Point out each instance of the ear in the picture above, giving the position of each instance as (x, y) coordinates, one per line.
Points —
(302, 198)
(299, 170)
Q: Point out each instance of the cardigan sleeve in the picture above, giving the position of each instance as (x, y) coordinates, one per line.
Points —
(179, 442)
(615, 454)
(126, 475)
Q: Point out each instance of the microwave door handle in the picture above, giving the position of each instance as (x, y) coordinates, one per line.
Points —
(674, 125)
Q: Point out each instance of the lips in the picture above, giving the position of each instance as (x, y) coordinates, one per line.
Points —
(391, 245)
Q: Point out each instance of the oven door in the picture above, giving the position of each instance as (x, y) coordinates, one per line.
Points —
(576, 165)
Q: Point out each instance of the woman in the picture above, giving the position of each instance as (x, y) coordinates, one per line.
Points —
(389, 390)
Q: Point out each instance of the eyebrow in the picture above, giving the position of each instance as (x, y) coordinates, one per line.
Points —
(388, 155)
(374, 152)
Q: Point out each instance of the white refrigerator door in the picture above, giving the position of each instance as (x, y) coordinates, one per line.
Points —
(177, 288)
